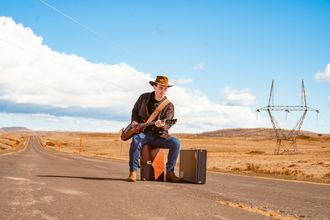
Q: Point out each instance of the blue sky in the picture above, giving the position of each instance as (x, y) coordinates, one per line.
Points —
(227, 52)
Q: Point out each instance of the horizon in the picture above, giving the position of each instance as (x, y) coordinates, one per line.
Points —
(179, 133)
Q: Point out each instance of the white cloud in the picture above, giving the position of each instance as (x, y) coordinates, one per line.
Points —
(197, 113)
(182, 81)
(32, 74)
(199, 67)
(50, 122)
(323, 76)
(238, 97)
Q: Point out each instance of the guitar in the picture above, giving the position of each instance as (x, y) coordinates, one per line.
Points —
(129, 131)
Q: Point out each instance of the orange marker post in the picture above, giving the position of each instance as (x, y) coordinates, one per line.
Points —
(14, 145)
(81, 144)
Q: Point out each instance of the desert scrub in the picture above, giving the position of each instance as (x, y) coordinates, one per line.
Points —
(303, 137)
(327, 175)
(50, 143)
(252, 167)
(254, 152)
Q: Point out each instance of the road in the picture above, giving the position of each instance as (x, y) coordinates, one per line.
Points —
(40, 184)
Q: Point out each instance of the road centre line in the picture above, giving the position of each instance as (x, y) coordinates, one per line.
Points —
(268, 213)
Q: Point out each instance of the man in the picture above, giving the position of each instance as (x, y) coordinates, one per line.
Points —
(156, 135)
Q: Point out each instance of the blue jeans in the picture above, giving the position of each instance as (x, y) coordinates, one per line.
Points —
(138, 140)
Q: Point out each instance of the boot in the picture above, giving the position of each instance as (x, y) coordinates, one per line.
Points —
(171, 177)
(132, 176)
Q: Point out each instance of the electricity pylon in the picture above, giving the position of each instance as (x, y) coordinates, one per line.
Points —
(286, 141)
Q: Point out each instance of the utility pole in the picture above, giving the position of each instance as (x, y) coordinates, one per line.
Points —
(286, 141)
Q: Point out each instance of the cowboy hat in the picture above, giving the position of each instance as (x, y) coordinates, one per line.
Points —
(161, 80)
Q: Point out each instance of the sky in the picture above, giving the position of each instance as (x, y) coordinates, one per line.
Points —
(81, 65)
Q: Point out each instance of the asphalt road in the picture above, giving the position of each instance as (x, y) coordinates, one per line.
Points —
(40, 184)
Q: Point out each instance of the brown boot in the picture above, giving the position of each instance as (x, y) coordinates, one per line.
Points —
(171, 177)
(132, 176)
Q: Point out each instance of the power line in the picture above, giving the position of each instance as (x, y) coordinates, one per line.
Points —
(74, 20)
(91, 30)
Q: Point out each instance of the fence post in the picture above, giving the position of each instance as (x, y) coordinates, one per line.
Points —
(81, 144)
(14, 144)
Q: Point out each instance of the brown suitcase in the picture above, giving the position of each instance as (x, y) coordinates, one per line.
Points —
(152, 163)
(193, 165)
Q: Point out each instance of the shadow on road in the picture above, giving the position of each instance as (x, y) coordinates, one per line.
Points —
(85, 177)
(103, 178)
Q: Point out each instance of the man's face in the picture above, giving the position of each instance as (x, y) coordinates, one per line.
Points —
(160, 91)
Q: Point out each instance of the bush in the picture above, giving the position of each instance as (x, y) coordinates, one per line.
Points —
(304, 137)
(50, 143)
(256, 152)
(327, 175)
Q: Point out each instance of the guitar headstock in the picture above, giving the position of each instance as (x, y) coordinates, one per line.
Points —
(171, 121)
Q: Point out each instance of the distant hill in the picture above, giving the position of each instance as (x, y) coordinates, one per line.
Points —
(10, 129)
(251, 132)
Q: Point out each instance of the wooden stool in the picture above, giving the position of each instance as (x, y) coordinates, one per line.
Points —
(152, 163)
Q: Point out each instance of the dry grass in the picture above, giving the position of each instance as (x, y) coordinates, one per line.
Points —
(12, 142)
(242, 155)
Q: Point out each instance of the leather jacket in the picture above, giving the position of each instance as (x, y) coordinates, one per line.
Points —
(140, 114)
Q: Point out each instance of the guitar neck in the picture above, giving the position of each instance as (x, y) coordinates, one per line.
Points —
(146, 124)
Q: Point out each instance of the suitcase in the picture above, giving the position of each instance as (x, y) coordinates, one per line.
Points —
(152, 163)
(193, 165)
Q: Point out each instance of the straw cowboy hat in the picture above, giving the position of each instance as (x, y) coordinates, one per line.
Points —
(161, 80)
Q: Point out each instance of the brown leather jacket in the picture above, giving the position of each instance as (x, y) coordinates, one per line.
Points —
(140, 114)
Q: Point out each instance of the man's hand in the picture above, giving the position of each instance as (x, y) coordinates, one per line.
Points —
(159, 123)
(134, 124)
